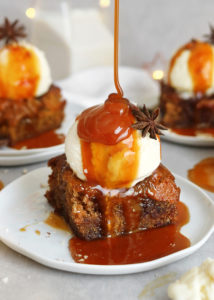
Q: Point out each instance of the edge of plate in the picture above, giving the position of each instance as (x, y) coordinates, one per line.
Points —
(113, 269)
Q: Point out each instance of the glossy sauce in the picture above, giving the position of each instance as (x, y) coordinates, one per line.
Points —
(203, 174)
(1, 185)
(19, 72)
(193, 131)
(200, 65)
(109, 145)
(56, 221)
(138, 247)
(116, 48)
(46, 139)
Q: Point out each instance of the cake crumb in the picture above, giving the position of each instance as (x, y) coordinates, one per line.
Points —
(24, 171)
(5, 280)
(43, 186)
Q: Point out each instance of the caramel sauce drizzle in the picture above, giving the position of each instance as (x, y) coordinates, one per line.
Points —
(200, 65)
(1, 185)
(56, 221)
(116, 47)
(193, 131)
(45, 139)
(111, 166)
(109, 146)
(202, 174)
(19, 75)
(137, 247)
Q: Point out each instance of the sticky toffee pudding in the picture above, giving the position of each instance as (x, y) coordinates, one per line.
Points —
(29, 103)
(187, 94)
(110, 185)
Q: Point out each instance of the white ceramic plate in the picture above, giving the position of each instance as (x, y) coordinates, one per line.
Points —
(71, 111)
(200, 140)
(30, 159)
(97, 83)
(22, 203)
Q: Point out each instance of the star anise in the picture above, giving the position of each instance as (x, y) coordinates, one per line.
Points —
(147, 122)
(11, 31)
(209, 38)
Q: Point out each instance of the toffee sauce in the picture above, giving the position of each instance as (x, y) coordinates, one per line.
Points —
(19, 76)
(200, 64)
(109, 125)
(109, 145)
(202, 174)
(137, 247)
(1, 185)
(56, 221)
(46, 139)
(193, 131)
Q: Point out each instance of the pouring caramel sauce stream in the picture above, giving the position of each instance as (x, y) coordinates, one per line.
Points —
(106, 138)
(109, 145)
(116, 47)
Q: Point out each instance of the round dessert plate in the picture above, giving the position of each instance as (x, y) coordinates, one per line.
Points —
(29, 159)
(97, 83)
(199, 140)
(72, 109)
(22, 204)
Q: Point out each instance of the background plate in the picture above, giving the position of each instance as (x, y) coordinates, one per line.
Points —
(22, 203)
(72, 109)
(200, 140)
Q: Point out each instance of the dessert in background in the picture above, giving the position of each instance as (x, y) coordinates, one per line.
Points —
(198, 283)
(187, 94)
(29, 103)
(110, 180)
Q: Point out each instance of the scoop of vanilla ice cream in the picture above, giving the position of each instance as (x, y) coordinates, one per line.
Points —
(197, 284)
(44, 80)
(149, 154)
(180, 77)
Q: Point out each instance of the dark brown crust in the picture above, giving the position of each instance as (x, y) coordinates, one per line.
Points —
(195, 112)
(26, 118)
(93, 214)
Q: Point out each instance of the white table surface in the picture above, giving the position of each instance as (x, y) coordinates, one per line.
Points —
(22, 278)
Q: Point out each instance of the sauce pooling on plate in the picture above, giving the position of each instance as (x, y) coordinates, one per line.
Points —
(46, 139)
(203, 174)
(137, 247)
(193, 131)
(56, 221)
